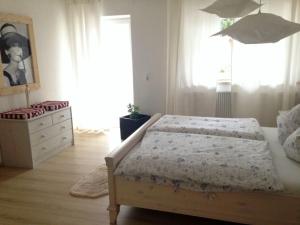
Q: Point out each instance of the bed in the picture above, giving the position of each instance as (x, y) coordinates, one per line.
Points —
(278, 208)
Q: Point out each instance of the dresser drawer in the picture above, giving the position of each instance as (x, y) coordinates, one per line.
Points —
(39, 124)
(61, 116)
(40, 136)
(61, 127)
(45, 134)
(44, 149)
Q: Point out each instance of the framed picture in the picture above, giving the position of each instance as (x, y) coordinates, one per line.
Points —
(18, 63)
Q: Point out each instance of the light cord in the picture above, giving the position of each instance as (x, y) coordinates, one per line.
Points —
(259, 11)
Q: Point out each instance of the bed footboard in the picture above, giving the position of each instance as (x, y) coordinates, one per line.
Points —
(256, 208)
(113, 159)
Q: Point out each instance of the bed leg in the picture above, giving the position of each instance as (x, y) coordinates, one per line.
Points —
(113, 214)
(113, 207)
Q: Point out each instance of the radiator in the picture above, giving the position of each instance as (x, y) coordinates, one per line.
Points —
(223, 107)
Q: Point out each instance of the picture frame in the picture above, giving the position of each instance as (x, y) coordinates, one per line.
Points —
(18, 60)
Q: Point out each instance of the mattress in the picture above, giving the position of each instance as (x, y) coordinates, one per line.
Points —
(248, 128)
(288, 170)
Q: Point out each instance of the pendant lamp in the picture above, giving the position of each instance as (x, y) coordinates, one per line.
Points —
(232, 8)
(260, 28)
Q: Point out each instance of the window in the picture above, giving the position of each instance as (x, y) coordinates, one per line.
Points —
(249, 66)
(116, 64)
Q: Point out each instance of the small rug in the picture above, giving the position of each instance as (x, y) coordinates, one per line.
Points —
(93, 185)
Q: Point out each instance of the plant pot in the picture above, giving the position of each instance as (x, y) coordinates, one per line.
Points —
(129, 125)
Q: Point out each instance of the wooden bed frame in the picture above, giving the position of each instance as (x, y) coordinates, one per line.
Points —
(243, 207)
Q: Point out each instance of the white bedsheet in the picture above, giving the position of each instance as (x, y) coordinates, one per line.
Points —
(202, 162)
(248, 128)
(288, 170)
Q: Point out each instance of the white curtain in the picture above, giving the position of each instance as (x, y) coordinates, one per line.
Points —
(99, 89)
(292, 78)
(264, 76)
(188, 93)
(84, 17)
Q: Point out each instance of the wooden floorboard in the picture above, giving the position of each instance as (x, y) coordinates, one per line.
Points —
(41, 196)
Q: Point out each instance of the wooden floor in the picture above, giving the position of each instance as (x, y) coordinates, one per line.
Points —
(40, 196)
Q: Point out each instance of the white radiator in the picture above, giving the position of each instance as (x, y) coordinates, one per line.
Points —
(223, 107)
(223, 104)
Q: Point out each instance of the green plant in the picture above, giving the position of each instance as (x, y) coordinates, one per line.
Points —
(225, 23)
(133, 110)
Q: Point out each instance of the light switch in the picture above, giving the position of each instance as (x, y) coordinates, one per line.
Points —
(148, 75)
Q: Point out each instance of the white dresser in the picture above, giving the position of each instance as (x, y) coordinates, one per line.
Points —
(26, 143)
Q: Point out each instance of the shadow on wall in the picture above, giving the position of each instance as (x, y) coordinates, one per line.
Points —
(262, 104)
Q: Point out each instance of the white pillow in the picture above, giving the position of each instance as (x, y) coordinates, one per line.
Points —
(288, 122)
(283, 112)
(285, 127)
(294, 115)
(292, 146)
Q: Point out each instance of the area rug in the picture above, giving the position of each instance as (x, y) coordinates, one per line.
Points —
(93, 185)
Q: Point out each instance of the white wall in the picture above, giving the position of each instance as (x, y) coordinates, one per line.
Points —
(49, 24)
(148, 24)
(148, 46)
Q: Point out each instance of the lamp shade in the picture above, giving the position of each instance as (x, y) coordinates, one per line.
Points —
(260, 28)
(231, 8)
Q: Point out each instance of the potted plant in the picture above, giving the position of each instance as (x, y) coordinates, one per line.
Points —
(131, 122)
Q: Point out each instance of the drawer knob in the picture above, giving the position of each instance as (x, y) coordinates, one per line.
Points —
(44, 148)
(42, 136)
(64, 138)
(41, 124)
(63, 127)
(62, 116)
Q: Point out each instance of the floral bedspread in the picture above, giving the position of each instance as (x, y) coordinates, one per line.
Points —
(231, 127)
(201, 162)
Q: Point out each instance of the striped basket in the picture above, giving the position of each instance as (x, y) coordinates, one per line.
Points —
(51, 105)
(22, 113)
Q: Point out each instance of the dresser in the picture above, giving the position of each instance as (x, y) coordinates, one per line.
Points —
(26, 143)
